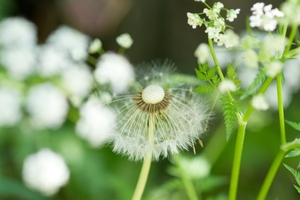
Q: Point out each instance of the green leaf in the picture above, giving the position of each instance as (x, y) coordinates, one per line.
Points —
(295, 152)
(201, 75)
(296, 174)
(260, 78)
(230, 108)
(211, 72)
(204, 89)
(232, 75)
(294, 125)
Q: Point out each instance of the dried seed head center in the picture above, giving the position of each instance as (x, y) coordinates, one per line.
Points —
(153, 99)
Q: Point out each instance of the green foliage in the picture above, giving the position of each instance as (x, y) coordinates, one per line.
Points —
(204, 89)
(230, 108)
(295, 152)
(296, 175)
(260, 78)
(232, 75)
(209, 75)
(295, 125)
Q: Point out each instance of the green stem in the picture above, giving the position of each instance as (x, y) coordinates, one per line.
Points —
(140, 187)
(291, 39)
(237, 159)
(93, 61)
(270, 176)
(213, 54)
(188, 185)
(280, 109)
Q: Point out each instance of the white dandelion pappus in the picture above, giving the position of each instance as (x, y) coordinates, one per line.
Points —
(45, 171)
(178, 115)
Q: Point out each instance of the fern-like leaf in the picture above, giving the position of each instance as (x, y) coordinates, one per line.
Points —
(260, 78)
(294, 125)
(230, 109)
(295, 152)
(204, 89)
(296, 174)
(232, 75)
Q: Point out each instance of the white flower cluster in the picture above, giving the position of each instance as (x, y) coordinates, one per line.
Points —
(291, 10)
(264, 17)
(45, 171)
(215, 24)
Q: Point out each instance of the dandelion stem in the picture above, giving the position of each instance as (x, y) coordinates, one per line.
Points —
(237, 159)
(139, 190)
(188, 185)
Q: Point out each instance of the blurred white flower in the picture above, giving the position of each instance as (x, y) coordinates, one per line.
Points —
(17, 31)
(47, 106)
(202, 53)
(77, 80)
(71, 40)
(273, 68)
(20, 62)
(264, 17)
(250, 58)
(45, 171)
(217, 7)
(274, 44)
(231, 39)
(124, 40)
(223, 55)
(246, 75)
(291, 72)
(95, 46)
(52, 60)
(227, 85)
(10, 106)
(271, 96)
(291, 10)
(259, 102)
(96, 123)
(196, 167)
(179, 116)
(115, 70)
(203, 1)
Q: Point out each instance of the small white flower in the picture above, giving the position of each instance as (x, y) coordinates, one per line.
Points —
(232, 14)
(70, 40)
(45, 171)
(179, 118)
(20, 62)
(250, 59)
(202, 53)
(264, 17)
(17, 31)
(217, 7)
(213, 32)
(212, 15)
(194, 20)
(273, 68)
(203, 1)
(115, 70)
(10, 106)
(96, 123)
(95, 45)
(124, 40)
(259, 102)
(47, 106)
(227, 85)
(77, 79)
(52, 60)
(274, 44)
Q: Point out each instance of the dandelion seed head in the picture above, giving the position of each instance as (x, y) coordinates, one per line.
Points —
(179, 116)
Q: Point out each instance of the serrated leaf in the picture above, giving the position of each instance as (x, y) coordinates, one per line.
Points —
(230, 109)
(259, 79)
(232, 75)
(297, 188)
(295, 173)
(295, 152)
(211, 72)
(295, 125)
(201, 75)
(204, 89)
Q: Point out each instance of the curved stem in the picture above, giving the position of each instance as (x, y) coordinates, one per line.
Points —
(188, 185)
(140, 187)
(280, 109)
(270, 176)
(237, 159)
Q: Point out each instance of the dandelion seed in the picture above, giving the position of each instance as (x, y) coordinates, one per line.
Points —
(45, 171)
(179, 117)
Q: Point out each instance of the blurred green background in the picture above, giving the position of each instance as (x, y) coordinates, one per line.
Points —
(160, 30)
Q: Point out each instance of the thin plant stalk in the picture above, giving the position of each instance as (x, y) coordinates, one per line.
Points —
(278, 159)
(188, 185)
(140, 187)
